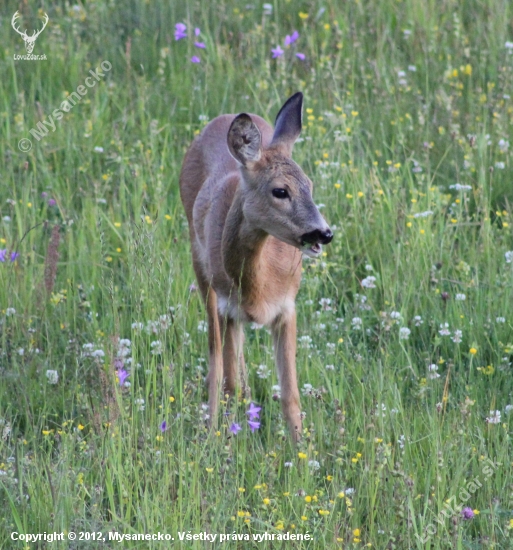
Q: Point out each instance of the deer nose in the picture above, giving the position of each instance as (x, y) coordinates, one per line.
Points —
(326, 236)
(317, 236)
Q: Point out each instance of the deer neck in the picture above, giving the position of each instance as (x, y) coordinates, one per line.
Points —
(242, 249)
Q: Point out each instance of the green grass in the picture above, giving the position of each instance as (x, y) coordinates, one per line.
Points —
(402, 100)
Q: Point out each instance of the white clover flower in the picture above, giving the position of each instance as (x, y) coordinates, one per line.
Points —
(263, 372)
(503, 145)
(202, 326)
(305, 341)
(460, 297)
(418, 320)
(325, 304)
(330, 367)
(500, 165)
(460, 187)
(494, 418)
(423, 214)
(307, 389)
(444, 329)
(164, 322)
(381, 409)
(404, 333)
(98, 149)
(508, 409)
(140, 404)
(500, 320)
(432, 371)
(369, 282)
(356, 323)
(52, 376)
(156, 346)
(288, 464)
(10, 311)
(137, 326)
(412, 68)
(401, 441)
(368, 267)
(313, 465)
(509, 46)
(98, 353)
(268, 9)
(509, 256)
(458, 334)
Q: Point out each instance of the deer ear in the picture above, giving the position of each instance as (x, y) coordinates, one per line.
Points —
(244, 140)
(288, 123)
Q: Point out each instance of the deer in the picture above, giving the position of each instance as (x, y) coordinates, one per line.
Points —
(251, 218)
(29, 40)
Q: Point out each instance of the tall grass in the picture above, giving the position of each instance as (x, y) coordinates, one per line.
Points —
(406, 137)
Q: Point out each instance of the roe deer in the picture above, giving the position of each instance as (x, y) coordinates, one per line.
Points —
(251, 216)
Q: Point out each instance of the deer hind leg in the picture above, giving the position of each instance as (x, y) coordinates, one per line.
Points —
(232, 335)
(284, 335)
(215, 356)
(215, 364)
(243, 373)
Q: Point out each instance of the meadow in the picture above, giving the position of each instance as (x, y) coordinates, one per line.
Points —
(405, 340)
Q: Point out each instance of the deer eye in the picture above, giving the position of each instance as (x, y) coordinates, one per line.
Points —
(280, 193)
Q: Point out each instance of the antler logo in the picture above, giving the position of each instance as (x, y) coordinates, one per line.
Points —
(29, 40)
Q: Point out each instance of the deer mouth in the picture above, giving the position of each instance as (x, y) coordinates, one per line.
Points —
(312, 250)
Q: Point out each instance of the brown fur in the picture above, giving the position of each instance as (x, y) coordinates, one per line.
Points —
(246, 242)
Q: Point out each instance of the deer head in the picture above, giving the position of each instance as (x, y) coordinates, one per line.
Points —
(277, 193)
(29, 40)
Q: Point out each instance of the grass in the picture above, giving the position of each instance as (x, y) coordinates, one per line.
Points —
(403, 100)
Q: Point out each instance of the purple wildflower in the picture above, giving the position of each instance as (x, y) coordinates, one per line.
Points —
(180, 31)
(163, 426)
(52, 202)
(467, 513)
(301, 56)
(253, 411)
(44, 194)
(122, 375)
(235, 428)
(254, 425)
(290, 39)
(195, 59)
(200, 45)
(277, 52)
(3, 255)
(197, 32)
(14, 255)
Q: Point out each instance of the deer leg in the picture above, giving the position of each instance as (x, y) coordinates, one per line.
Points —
(215, 368)
(284, 335)
(215, 357)
(243, 373)
(230, 353)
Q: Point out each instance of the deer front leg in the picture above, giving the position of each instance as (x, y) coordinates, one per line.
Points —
(284, 335)
(232, 336)
(230, 353)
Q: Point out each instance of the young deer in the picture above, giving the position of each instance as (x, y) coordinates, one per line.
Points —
(251, 216)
